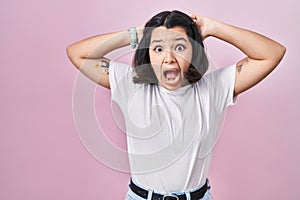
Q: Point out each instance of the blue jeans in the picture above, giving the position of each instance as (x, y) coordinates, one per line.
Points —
(132, 196)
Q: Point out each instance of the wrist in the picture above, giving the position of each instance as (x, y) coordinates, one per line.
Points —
(133, 37)
(211, 27)
(217, 29)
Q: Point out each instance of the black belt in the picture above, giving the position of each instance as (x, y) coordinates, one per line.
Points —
(198, 194)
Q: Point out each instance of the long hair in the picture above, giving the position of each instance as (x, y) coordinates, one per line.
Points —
(143, 70)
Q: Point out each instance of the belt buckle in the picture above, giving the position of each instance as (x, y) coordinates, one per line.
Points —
(173, 196)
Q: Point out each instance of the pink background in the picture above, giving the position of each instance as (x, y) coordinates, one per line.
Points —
(41, 155)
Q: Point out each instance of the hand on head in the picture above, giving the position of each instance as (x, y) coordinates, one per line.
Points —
(204, 25)
(140, 31)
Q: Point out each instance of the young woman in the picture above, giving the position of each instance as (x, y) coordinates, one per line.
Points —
(172, 107)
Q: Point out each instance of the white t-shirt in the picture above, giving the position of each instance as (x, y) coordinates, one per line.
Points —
(170, 134)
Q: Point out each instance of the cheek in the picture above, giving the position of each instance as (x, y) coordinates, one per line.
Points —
(156, 61)
(184, 60)
(156, 68)
(154, 58)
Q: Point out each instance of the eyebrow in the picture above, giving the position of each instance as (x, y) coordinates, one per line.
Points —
(181, 39)
(156, 41)
(176, 39)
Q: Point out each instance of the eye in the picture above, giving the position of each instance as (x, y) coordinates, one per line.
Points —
(180, 47)
(158, 49)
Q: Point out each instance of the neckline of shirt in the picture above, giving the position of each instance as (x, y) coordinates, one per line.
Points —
(178, 91)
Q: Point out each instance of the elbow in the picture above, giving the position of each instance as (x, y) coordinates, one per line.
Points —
(71, 53)
(283, 51)
(279, 54)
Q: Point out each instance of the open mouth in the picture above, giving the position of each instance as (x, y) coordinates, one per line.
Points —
(171, 76)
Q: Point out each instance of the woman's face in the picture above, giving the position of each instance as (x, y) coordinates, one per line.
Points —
(170, 54)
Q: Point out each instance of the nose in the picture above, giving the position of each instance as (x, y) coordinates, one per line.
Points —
(169, 58)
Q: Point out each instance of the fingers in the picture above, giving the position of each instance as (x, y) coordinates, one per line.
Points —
(195, 17)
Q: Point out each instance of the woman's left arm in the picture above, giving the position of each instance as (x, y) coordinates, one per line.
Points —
(262, 54)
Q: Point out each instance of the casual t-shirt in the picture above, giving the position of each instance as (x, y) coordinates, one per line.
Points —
(171, 134)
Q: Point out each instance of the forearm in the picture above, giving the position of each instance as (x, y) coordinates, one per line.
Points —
(98, 46)
(88, 54)
(254, 45)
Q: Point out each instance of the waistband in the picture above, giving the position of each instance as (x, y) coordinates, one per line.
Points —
(194, 195)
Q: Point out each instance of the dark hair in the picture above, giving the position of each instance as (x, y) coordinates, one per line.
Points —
(144, 72)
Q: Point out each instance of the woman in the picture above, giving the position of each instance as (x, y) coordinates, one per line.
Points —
(172, 109)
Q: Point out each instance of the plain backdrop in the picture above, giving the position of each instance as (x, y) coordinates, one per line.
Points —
(41, 154)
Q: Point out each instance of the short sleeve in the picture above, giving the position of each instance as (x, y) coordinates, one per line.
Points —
(120, 80)
(220, 84)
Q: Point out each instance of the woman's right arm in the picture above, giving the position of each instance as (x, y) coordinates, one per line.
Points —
(88, 54)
